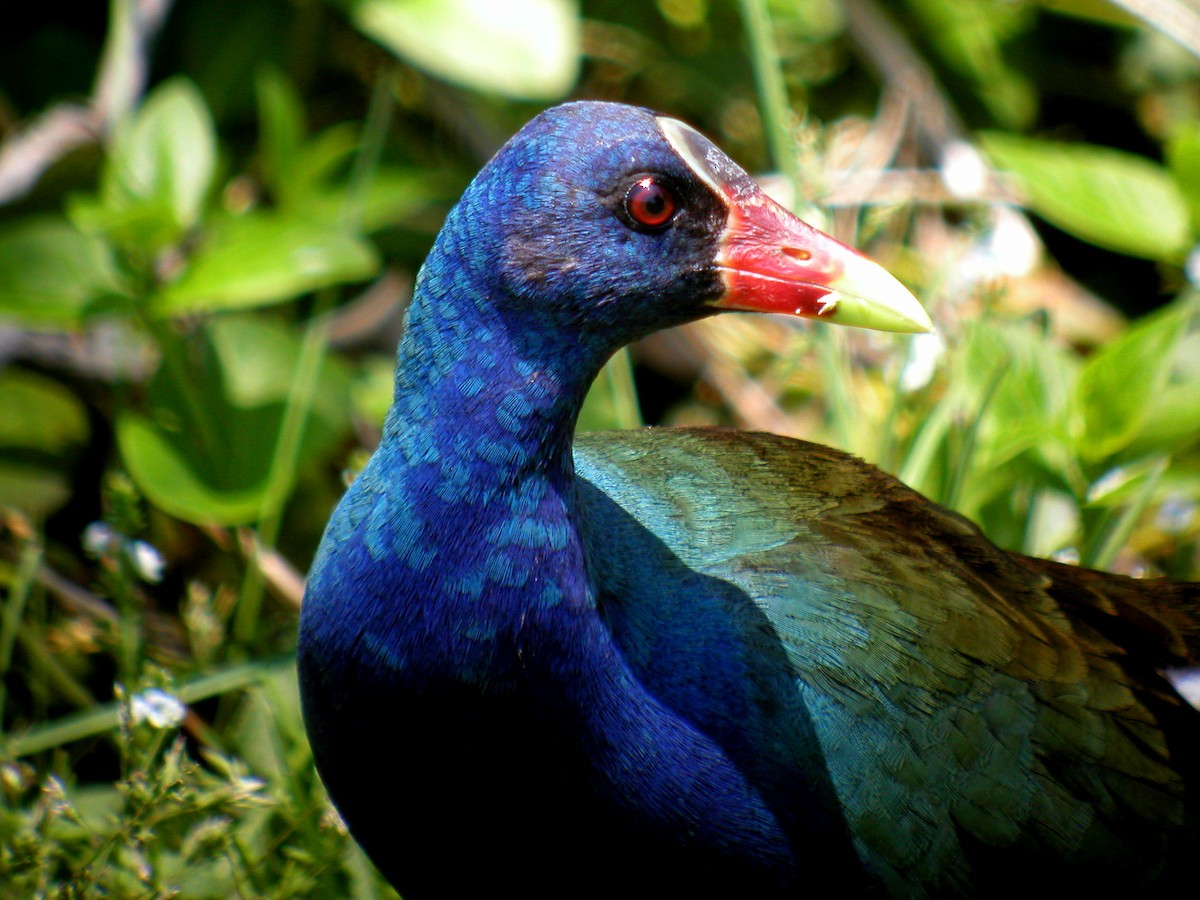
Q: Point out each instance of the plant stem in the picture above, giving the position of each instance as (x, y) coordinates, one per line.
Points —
(284, 460)
(94, 720)
(778, 116)
(1114, 530)
(772, 92)
(623, 391)
(13, 610)
(284, 463)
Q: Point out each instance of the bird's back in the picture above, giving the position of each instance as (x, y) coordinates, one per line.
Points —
(978, 715)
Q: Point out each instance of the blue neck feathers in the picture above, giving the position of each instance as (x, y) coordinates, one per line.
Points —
(461, 528)
(492, 392)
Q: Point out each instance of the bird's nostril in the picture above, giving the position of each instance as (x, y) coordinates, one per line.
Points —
(797, 253)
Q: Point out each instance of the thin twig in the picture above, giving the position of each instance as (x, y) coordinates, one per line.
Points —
(1177, 19)
(120, 80)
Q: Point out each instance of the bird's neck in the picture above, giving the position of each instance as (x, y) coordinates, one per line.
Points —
(466, 512)
(494, 392)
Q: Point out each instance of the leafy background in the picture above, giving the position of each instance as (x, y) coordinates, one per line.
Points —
(210, 217)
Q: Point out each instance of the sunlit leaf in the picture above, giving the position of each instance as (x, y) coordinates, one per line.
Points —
(1110, 198)
(1120, 484)
(159, 170)
(281, 123)
(1008, 401)
(169, 152)
(525, 49)
(50, 272)
(1173, 422)
(1031, 401)
(261, 258)
(1183, 158)
(1124, 380)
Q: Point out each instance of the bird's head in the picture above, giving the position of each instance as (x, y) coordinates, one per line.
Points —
(611, 220)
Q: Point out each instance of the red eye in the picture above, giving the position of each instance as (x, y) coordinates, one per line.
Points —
(649, 203)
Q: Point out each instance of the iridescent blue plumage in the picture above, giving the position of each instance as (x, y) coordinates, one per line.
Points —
(677, 663)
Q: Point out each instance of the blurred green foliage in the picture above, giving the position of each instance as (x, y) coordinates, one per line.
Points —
(208, 232)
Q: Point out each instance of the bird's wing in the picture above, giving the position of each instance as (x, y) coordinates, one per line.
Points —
(966, 700)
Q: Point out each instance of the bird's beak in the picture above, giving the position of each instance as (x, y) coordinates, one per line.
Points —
(772, 261)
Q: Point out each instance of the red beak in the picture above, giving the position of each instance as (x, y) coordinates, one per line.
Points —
(775, 262)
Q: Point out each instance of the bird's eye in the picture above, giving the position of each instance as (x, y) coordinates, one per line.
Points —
(649, 203)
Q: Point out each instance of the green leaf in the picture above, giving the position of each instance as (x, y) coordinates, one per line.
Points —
(523, 49)
(159, 170)
(970, 35)
(391, 197)
(39, 414)
(35, 490)
(43, 427)
(169, 153)
(1031, 404)
(311, 165)
(319, 157)
(170, 481)
(1121, 484)
(1183, 159)
(50, 272)
(1004, 419)
(1103, 11)
(281, 126)
(258, 362)
(1122, 382)
(262, 258)
(1173, 421)
(91, 722)
(1111, 530)
(205, 453)
(1106, 197)
(373, 388)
